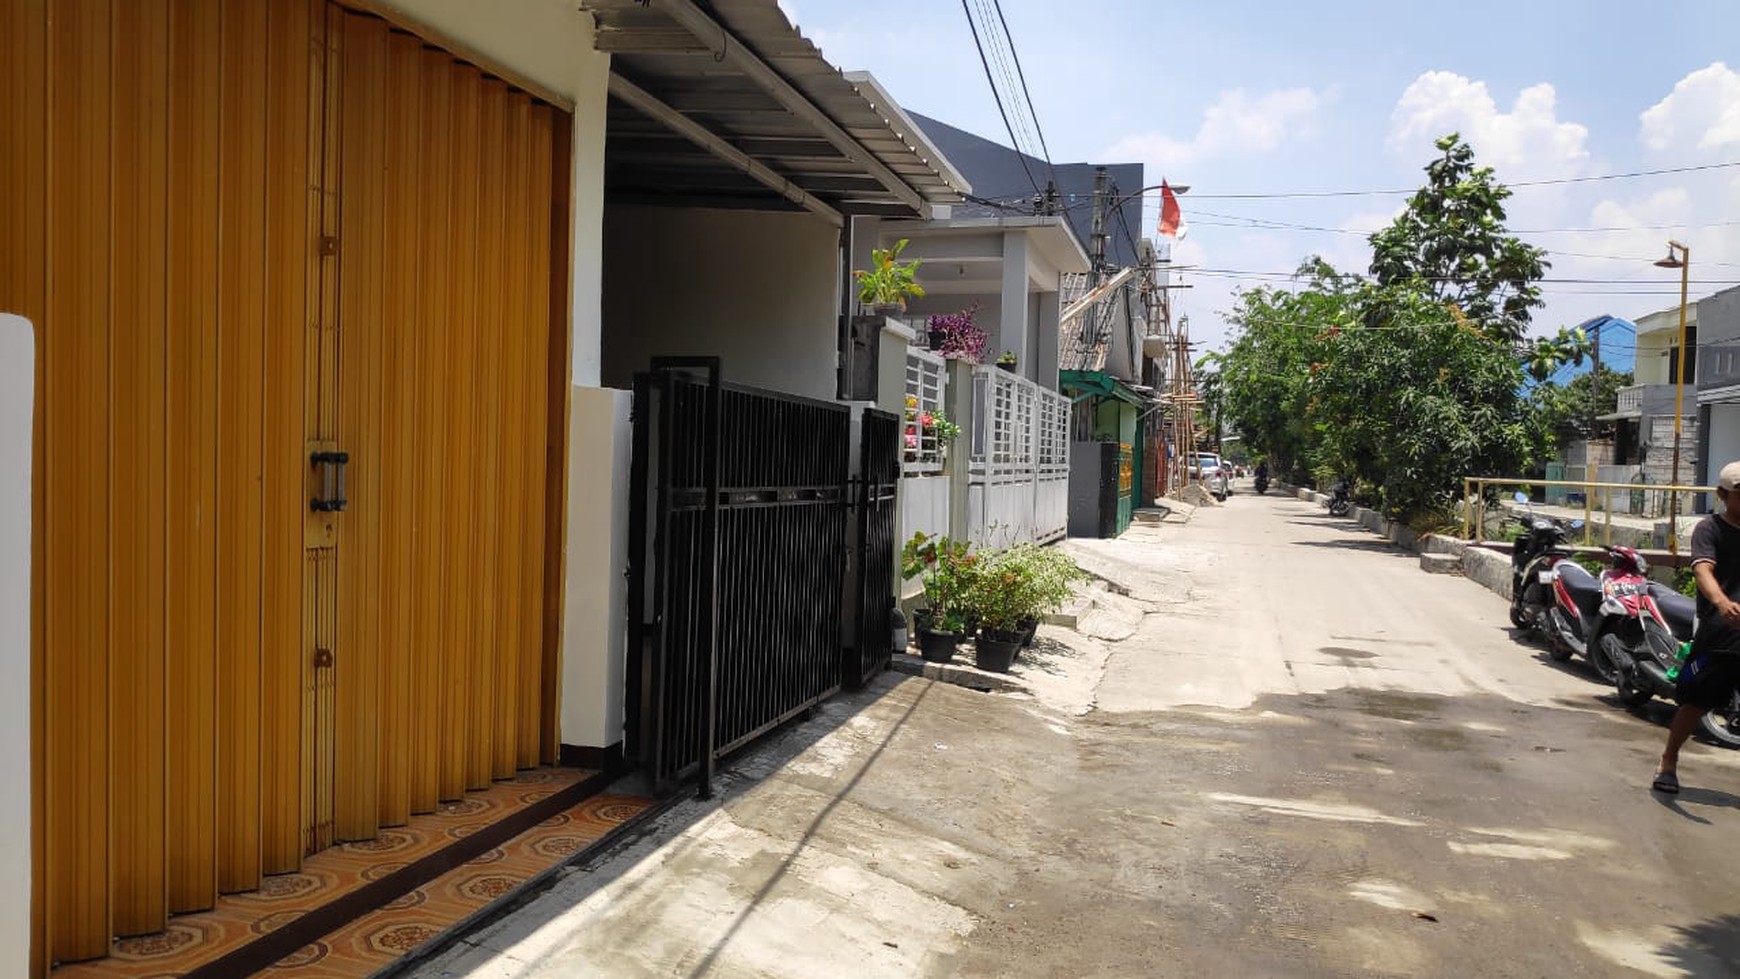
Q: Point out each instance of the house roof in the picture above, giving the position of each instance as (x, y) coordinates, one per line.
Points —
(997, 174)
(725, 102)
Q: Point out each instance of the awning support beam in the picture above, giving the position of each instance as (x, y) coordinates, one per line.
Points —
(701, 24)
(646, 103)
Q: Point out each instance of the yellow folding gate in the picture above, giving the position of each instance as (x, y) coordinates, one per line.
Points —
(299, 296)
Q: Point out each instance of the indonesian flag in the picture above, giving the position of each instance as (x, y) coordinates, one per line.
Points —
(1171, 218)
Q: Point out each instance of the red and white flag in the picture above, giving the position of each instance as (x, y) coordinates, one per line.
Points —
(1171, 218)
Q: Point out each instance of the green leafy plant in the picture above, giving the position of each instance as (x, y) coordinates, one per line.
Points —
(946, 568)
(888, 281)
(1006, 357)
(1016, 585)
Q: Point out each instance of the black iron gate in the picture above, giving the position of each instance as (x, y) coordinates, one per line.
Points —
(737, 564)
(878, 478)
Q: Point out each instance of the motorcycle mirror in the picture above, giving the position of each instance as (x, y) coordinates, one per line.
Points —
(1521, 497)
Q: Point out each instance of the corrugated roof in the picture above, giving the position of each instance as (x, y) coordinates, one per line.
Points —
(740, 69)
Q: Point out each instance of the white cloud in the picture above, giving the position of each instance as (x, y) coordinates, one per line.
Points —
(1530, 139)
(1238, 122)
(1703, 111)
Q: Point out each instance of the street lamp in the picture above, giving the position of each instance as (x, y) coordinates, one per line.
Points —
(1683, 262)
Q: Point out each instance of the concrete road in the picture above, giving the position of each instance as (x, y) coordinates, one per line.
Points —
(1311, 759)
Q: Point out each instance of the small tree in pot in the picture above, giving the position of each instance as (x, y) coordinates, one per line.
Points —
(946, 568)
(1011, 590)
(888, 283)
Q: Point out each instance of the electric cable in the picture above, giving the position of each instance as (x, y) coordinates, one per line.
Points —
(1001, 111)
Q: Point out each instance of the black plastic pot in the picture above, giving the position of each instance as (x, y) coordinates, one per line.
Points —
(994, 651)
(1005, 365)
(1028, 628)
(937, 338)
(938, 647)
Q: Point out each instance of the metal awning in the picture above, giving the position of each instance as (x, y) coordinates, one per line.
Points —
(725, 103)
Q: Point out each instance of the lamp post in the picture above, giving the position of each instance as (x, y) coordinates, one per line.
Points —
(1683, 262)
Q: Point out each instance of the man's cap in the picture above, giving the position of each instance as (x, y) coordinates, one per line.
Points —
(1730, 477)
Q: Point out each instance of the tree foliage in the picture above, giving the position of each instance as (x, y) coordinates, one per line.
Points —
(1572, 410)
(1450, 244)
(1413, 378)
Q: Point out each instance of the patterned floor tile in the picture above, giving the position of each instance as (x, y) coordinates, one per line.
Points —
(194, 939)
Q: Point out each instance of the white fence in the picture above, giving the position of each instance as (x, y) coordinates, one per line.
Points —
(1018, 471)
(924, 488)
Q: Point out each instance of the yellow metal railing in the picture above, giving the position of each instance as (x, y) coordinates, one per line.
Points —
(1474, 491)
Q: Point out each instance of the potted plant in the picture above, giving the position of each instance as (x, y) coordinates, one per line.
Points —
(1011, 590)
(960, 339)
(945, 567)
(1006, 360)
(888, 283)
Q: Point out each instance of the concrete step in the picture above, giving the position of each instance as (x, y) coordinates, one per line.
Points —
(1440, 563)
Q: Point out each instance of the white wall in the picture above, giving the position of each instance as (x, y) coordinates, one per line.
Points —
(547, 43)
(17, 393)
(757, 289)
(1724, 441)
(594, 626)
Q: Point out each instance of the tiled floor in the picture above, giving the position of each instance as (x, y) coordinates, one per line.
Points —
(367, 944)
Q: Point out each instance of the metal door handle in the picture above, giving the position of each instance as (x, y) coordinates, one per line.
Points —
(331, 498)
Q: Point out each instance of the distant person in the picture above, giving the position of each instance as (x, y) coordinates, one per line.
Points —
(1711, 672)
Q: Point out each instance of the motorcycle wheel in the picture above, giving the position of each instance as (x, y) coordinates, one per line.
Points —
(1630, 695)
(1517, 618)
(1723, 726)
(1606, 657)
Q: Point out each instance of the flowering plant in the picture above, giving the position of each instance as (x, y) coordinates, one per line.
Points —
(946, 568)
(961, 339)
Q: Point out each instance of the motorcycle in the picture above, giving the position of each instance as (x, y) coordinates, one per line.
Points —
(1341, 501)
(1645, 656)
(1262, 481)
(1533, 556)
(1592, 616)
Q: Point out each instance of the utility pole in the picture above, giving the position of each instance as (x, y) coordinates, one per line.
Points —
(1594, 389)
(1090, 326)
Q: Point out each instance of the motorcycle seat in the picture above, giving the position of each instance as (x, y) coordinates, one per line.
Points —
(1584, 588)
(1677, 610)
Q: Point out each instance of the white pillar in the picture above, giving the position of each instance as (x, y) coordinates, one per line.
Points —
(586, 254)
(594, 618)
(1044, 368)
(17, 402)
(1012, 326)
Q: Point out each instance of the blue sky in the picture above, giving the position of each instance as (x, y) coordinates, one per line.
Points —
(1268, 97)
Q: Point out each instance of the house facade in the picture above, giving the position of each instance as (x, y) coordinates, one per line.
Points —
(335, 306)
(1718, 383)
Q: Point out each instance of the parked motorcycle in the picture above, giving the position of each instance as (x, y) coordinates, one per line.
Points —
(1533, 556)
(1645, 658)
(1592, 616)
(1342, 500)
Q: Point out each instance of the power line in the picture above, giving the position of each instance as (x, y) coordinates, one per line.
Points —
(1015, 55)
(1001, 111)
(1555, 181)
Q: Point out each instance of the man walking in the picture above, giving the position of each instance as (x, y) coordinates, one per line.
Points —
(1711, 673)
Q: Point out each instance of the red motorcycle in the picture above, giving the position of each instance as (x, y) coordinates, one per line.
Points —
(1602, 619)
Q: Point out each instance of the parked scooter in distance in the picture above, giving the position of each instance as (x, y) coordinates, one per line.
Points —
(1533, 556)
(1341, 502)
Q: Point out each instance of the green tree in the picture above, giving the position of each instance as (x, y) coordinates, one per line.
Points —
(1571, 411)
(1450, 244)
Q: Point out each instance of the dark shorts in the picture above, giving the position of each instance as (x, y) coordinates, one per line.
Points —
(1708, 680)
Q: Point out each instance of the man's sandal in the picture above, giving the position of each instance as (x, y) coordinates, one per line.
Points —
(1666, 782)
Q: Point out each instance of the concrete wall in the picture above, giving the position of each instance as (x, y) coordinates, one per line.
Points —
(549, 44)
(1724, 440)
(1718, 331)
(760, 290)
(594, 626)
(17, 396)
